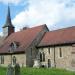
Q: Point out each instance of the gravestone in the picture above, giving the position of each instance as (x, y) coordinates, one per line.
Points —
(36, 63)
(17, 69)
(10, 70)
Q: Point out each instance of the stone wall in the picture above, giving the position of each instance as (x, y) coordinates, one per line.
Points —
(59, 62)
(20, 58)
(73, 58)
(65, 60)
(48, 56)
(30, 58)
(7, 60)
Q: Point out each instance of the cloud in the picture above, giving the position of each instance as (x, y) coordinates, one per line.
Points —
(48, 12)
(20, 20)
(11, 1)
(1, 33)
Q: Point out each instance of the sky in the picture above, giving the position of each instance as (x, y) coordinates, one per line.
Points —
(56, 14)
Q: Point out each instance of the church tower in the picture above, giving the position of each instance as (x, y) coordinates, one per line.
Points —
(8, 28)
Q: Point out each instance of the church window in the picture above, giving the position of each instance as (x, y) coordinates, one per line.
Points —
(42, 57)
(2, 59)
(60, 52)
(49, 50)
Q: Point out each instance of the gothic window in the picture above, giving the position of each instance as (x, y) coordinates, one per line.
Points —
(49, 50)
(2, 59)
(60, 52)
(42, 57)
(14, 60)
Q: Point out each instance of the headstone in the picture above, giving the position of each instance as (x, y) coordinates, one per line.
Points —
(10, 70)
(36, 63)
(17, 69)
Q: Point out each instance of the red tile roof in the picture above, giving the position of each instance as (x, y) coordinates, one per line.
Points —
(24, 37)
(58, 37)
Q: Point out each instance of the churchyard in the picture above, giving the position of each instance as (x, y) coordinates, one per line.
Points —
(34, 71)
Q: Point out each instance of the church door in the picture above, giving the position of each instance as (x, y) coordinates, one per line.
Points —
(49, 63)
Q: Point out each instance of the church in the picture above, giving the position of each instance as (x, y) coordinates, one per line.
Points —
(51, 48)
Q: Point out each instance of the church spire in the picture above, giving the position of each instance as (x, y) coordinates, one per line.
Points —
(8, 19)
(8, 28)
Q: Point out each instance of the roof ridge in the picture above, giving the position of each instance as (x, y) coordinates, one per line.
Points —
(30, 28)
(62, 29)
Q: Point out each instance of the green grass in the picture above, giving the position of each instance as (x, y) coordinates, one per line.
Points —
(45, 71)
(41, 71)
(2, 71)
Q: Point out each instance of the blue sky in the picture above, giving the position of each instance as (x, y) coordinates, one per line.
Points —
(55, 13)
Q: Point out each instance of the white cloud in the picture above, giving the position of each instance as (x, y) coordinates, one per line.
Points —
(11, 1)
(49, 12)
(1, 33)
(20, 20)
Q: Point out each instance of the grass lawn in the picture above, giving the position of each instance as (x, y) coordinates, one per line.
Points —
(2, 71)
(41, 71)
(45, 71)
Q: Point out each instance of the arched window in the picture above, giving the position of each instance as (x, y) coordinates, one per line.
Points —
(14, 60)
(60, 52)
(40, 57)
(43, 56)
(49, 50)
(2, 59)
